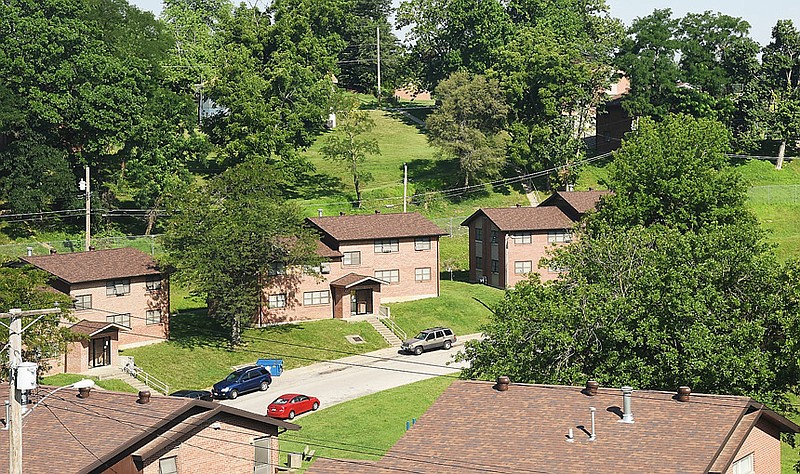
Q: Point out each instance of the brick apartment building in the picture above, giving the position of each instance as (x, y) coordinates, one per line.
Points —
(507, 244)
(121, 300)
(368, 259)
(564, 430)
(122, 433)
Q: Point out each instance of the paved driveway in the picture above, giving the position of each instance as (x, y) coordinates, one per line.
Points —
(353, 377)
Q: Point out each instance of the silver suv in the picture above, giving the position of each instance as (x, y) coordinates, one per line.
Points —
(428, 339)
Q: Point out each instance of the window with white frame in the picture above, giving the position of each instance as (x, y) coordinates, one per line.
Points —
(522, 237)
(83, 302)
(422, 243)
(495, 264)
(523, 267)
(478, 234)
(123, 319)
(153, 316)
(313, 298)
(118, 287)
(392, 276)
(422, 274)
(168, 465)
(744, 465)
(559, 236)
(351, 258)
(277, 301)
(276, 268)
(387, 246)
(153, 283)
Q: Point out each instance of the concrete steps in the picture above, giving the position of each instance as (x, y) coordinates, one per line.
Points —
(385, 332)
(120, 374)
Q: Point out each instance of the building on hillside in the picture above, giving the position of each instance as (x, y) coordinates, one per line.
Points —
(612, 121)
(506, 244)
(368, 259)
(122, 433)
(514, 428)
(121, 300)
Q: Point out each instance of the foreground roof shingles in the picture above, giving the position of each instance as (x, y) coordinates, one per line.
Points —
(376, 226)
(511, 219)
(96, 265)
(582, 201)
(473, 428)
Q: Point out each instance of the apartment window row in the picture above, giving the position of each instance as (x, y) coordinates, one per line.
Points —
(313, 298)
(478, 234)
(522, 237)
(523, 267)
(83, 302)
(422, 274)
(559, 236)
(277, 300)
(387, 246)
(153, 316)
(118, 287)
(276, 268)
(154, 283)
(392, 276)
(351, 258)
(123, 319)
(422, 243)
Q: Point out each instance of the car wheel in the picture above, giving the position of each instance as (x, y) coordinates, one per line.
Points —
(315, 406)
(418, 350)
(264, 386)
(234, 393)
(291, 415)
(447, 345)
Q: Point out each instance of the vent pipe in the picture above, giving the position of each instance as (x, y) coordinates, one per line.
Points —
(30, 251)
(591, 388)
(593, 436)
(570, 436)
(144, 397)
(319, 212)
(502, 383)
(627, 414)
(683, 393)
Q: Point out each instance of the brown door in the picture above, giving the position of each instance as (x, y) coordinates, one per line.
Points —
(100, 352)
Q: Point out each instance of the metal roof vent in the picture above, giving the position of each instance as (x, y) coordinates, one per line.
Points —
(502, 383)
(591, 388)
(627, 414)
(144, 397)
(683, 393)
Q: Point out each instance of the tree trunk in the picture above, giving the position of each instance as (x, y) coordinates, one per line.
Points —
(358, 191)
(781, 151)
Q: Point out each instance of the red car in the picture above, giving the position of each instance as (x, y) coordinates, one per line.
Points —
(291, 404)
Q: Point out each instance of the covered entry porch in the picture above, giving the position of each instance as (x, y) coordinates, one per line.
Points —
(355, 294)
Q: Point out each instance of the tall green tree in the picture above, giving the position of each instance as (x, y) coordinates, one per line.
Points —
(225, 235)
(655, 296)
(26, 288)
(469, 125)
(348, 145)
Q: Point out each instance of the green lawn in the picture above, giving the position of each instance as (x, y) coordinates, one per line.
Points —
(364, 428)
(60, 380)
(464, 307)
(198, 355)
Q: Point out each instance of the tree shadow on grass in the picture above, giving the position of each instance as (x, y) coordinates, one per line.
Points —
(194, 328)
(457, 275)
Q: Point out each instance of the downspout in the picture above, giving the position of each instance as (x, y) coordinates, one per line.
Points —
(438, 268)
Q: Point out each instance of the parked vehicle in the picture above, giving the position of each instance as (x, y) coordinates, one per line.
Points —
(244, 380)
(204, 395)
(290, 405)
(429, 339)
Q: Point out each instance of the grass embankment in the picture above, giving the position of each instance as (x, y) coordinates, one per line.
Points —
(60, 380)
(199, 356)
(364, 428)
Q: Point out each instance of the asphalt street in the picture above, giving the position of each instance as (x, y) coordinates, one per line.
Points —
(356, 376)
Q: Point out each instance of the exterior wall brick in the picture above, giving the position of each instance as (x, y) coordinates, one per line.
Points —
(295, 283)
(765, 445)
(207, 449)
(137, 303)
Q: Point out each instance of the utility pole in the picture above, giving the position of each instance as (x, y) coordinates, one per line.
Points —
(14, 421)
(378, 36)
(405, 186)
(83, 185)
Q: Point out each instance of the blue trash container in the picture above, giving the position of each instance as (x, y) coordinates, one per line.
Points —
(275, 366)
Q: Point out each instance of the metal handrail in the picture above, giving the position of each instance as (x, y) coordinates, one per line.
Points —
(139, 374)
(394, 328)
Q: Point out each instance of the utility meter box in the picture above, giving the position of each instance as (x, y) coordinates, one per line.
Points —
(26, 375)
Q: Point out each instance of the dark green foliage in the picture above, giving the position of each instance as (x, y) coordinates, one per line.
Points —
(225, 234)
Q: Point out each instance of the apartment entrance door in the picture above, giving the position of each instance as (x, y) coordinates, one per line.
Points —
(100, 352)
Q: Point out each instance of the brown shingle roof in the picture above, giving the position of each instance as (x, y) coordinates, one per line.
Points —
(323, 250)
(525, 428)
(96, 265)
(353, 279)
(106, 424)
(90, 328)
(376, 226)
(512, 219)
(581, 201)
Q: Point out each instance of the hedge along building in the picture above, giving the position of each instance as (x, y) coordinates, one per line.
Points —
(368, 260)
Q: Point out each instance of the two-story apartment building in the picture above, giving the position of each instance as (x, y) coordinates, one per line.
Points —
(507, 244)
(368, 259)
(121, 300)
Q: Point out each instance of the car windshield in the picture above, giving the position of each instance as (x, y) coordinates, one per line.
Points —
(421, 335)
(281, 401)
(232, 377)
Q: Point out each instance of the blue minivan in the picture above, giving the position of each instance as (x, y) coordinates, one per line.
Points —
(247, 379)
